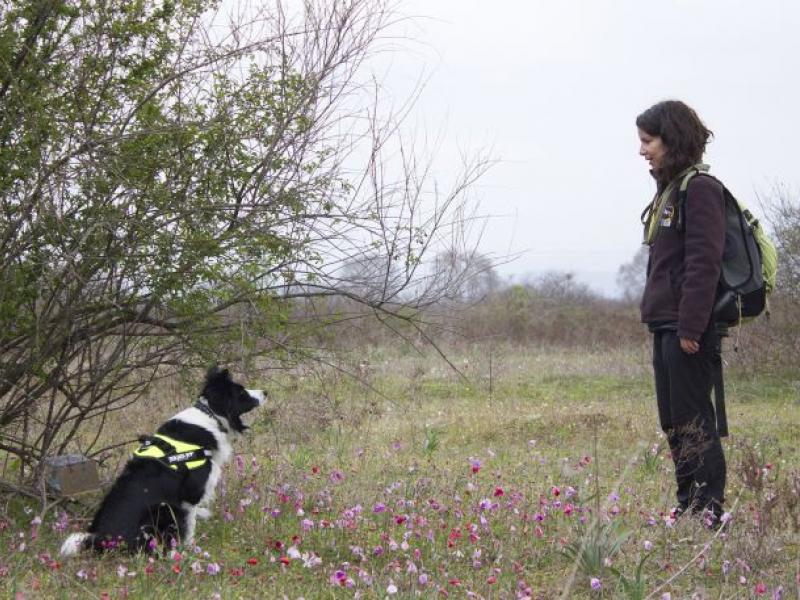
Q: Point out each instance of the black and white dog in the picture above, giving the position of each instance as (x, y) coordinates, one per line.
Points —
(170, 480)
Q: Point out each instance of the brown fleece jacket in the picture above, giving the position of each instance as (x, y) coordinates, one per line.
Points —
(684, 267)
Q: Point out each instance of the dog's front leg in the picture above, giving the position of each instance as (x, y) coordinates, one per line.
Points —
(202, 509)
(191, 523)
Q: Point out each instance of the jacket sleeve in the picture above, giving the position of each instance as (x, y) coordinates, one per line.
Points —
(704, 242)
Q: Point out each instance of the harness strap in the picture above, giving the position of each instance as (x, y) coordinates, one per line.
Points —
(719, 396)
(172, 453)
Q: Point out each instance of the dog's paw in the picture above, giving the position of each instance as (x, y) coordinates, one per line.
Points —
(203, 513)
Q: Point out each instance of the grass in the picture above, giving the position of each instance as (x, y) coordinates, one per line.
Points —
(554, 485)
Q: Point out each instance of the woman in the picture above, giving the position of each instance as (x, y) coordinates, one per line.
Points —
(686, 241)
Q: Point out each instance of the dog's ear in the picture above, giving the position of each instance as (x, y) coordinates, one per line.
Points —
(216, 372)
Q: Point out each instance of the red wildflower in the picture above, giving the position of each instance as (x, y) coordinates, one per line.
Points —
(252, 561)
(176, 568)
(455, 533)
(285, 560)
(492, 579)
(454, 581)
(498, 491)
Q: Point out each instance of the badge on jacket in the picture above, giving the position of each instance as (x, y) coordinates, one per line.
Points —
(666, 215)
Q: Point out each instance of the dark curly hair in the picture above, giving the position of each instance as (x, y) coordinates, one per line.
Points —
(681, 131)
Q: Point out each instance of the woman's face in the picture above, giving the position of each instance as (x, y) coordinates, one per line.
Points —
(652, 148)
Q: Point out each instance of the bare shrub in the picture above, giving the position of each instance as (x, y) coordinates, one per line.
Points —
(172, 189)
(774, 498)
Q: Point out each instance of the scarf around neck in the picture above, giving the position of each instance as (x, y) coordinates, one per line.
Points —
(651, 216)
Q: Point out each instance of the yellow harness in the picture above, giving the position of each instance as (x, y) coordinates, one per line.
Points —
(175, 454)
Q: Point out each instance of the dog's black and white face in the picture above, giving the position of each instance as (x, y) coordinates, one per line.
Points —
(229, 399)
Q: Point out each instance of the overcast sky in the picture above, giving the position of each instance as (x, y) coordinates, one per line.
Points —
(553, 89)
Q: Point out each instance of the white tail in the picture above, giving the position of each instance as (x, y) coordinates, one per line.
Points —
(74, 544)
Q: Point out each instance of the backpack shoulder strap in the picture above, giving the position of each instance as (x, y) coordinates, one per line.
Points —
(698, 169)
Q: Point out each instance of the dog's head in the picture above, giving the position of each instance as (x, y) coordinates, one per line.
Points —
(229, 399)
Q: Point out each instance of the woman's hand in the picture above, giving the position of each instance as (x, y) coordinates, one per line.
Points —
(689, 346)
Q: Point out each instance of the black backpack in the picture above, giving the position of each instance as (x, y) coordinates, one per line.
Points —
(749, 260)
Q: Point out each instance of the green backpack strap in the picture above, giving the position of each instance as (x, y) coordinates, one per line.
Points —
(699, 168)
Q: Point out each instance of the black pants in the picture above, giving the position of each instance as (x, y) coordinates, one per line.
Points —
(683, 392)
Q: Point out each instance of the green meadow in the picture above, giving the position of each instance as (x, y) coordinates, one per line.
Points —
(526, 474)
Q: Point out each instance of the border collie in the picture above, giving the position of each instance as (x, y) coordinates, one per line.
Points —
(169, 482)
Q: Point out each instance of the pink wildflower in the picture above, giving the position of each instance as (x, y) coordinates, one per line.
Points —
(62, 522)
(213, 568)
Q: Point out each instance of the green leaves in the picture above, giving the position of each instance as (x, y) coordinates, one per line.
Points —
(155, 193)
(597, 545)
